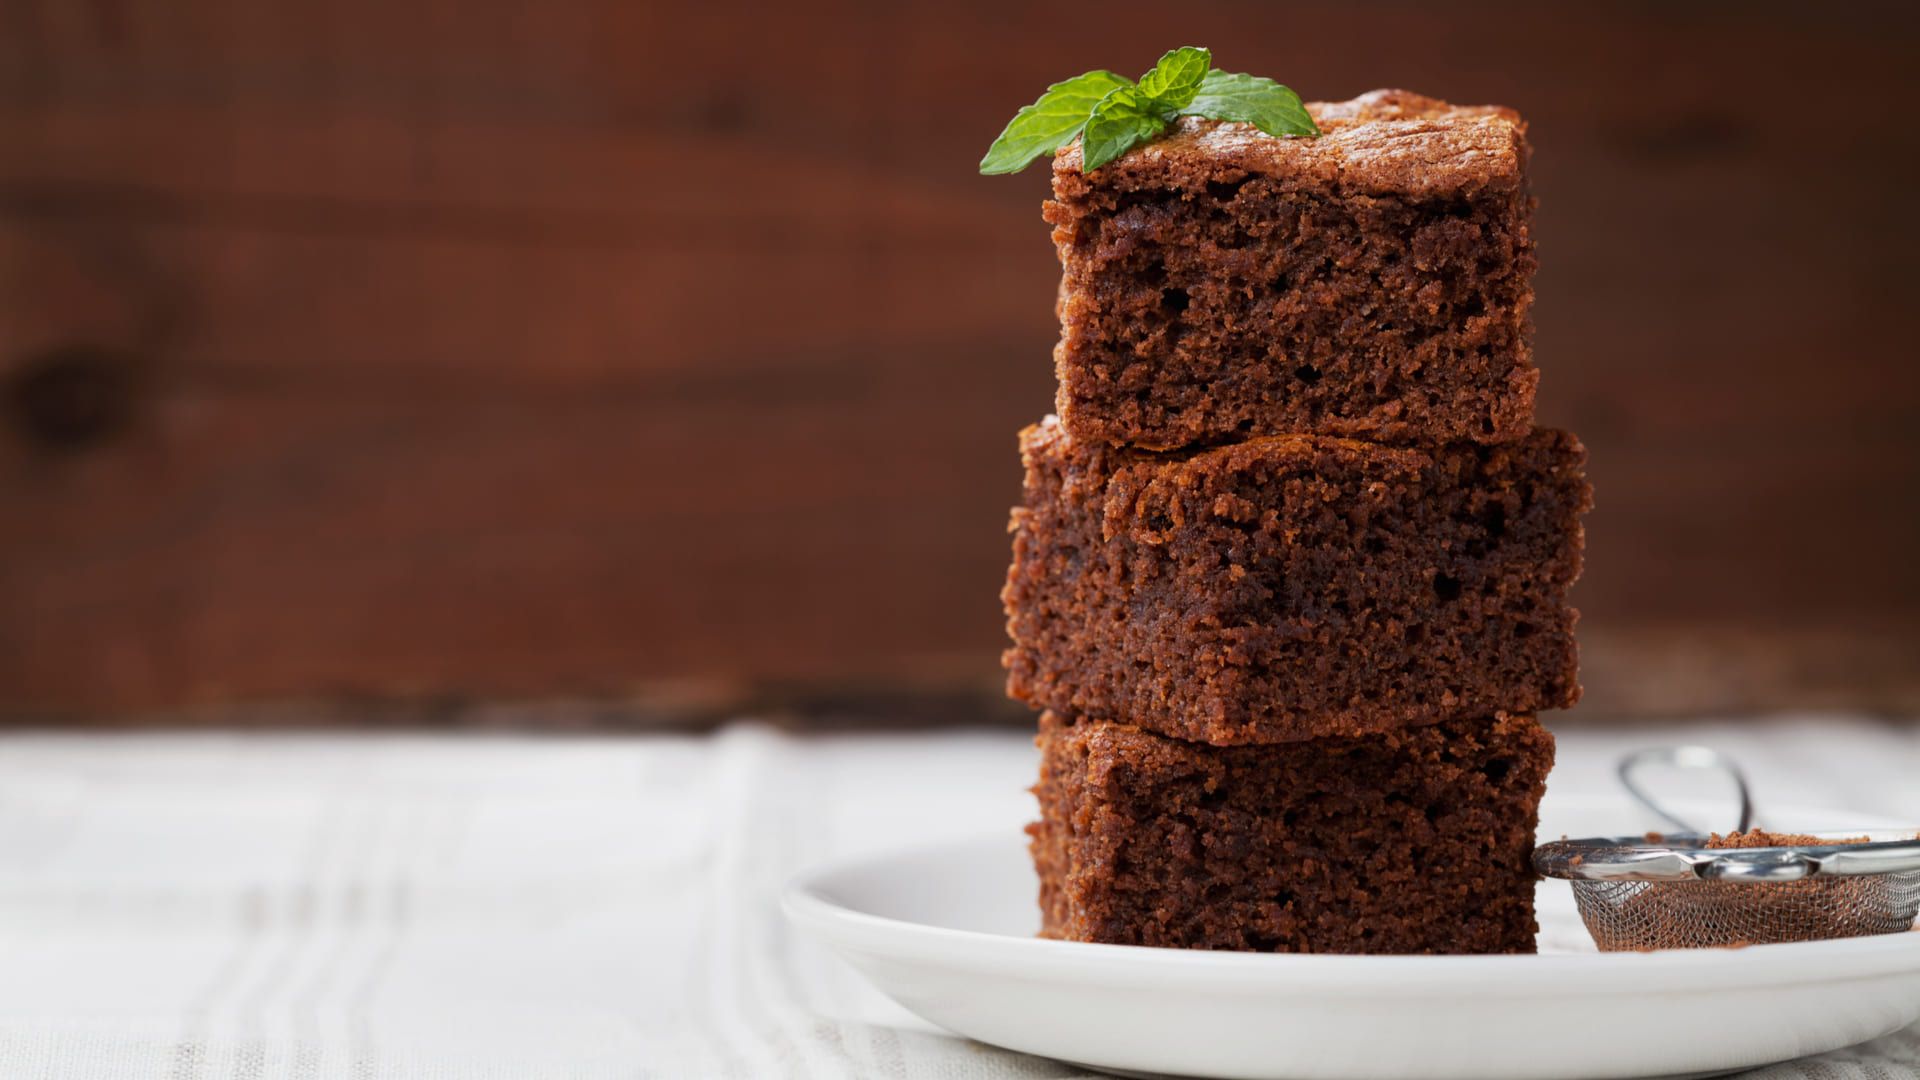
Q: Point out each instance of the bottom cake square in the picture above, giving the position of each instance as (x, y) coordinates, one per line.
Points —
(1414, 841)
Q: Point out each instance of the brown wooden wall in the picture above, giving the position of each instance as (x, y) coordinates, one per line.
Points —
(400, 349)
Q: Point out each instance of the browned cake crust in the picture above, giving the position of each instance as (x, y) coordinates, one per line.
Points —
(1292, 587)
(1417, 841)
(1373, 282)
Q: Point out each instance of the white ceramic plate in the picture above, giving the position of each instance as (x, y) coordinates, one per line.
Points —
(948, 932)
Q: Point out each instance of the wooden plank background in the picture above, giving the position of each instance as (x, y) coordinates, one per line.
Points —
(414, 352)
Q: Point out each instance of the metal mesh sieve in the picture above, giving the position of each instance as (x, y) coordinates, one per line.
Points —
(1674, 892)
(1638, 915)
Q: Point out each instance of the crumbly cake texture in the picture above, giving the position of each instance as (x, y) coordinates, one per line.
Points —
(1418, 841)
(1374, 282)
(1294, 587)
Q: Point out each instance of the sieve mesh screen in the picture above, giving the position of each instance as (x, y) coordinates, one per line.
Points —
(1637, 915)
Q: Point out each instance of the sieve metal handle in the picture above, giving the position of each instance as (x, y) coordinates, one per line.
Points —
(1684, 757)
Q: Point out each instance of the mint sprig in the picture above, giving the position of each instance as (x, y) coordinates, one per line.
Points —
(1110, 114)
(1250, 99)
(1121, 119)
(1177, 77)
(1049, 123)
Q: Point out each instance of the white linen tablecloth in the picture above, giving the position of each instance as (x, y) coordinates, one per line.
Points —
(243, 906)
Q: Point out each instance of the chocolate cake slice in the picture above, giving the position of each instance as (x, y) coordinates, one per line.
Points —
(1293, 587)
(1417, 841)
(1374, 282)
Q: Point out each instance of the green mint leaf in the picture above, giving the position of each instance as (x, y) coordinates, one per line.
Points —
(1173, 82)
(1250, 99)
(1123, 119)
(1110, 114)
(1049, 123)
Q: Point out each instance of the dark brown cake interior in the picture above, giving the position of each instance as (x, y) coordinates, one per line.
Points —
(1336, 289)
(1295, 587)
(1411, 842)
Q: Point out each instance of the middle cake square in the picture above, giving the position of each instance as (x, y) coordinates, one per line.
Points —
(1294, 587)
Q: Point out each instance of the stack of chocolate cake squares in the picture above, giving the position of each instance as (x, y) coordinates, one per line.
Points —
(1289, 581)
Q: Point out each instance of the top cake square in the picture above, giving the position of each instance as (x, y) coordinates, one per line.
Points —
(1374, 282)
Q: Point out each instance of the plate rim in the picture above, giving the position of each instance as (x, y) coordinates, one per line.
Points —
(808, 901)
